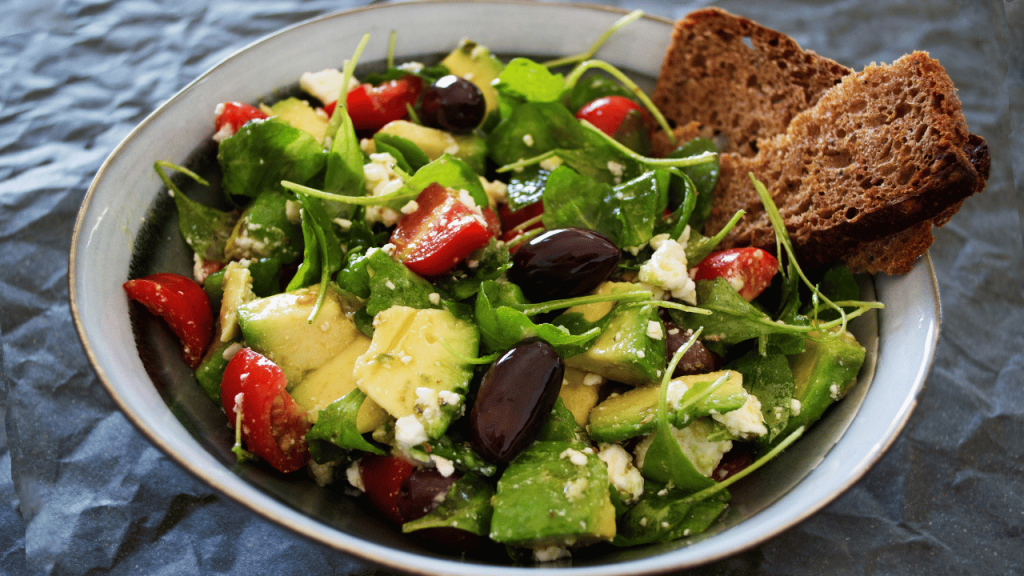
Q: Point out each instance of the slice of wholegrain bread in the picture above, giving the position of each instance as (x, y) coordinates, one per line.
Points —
(738, 78)
(861, 175)
(732, 79)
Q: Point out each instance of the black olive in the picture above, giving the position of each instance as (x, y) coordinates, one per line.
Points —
(563, 263)
(453, 104)
(422, 491)
(697, 360)
(516, 397)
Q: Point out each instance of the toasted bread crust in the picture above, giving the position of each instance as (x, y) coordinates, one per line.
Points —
(711, 75)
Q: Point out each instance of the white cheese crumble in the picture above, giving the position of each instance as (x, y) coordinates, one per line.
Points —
(410, 207)
(434, 298)
(293, 211)
(325, 85)
(575, 489)
(409, 432)
(674, 394)
(795, 406)
(621, 472)
(591, 379)
(616, 169)
(667, 267)
(746, 421)
(692, 440)
(443, 465)
(323, 474)
(528, 140)
(551, 553)
(496, 190)
(354, 476)
(381, 180)
(655, 331)
(575, 456)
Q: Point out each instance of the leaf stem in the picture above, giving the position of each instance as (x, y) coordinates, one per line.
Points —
(619, 24)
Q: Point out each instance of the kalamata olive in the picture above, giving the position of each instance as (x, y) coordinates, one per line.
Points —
(697, 360)
(422, 491)
(425, 490)
(515, 399)
(453, 104)
(563, 263)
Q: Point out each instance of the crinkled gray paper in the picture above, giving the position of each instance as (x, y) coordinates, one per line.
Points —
(84, 493)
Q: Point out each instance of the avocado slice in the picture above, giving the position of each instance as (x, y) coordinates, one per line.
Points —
(237, 291)
(321, 387)
(580, 392)
(470, 148)
(278, 327)
(635, 412)
(415, 365)
(475, 63)
(823, 373)
(626, 351)
(299, 114)
(555, 493)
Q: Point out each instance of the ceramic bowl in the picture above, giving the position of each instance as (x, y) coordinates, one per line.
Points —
(125, 229)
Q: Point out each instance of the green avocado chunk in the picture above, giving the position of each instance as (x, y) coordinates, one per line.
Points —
(631, 349)
(634, 412)
(470, 148)
(301, 115)
(278, 327)
(824, 372)
(555, 493)
(416, 365)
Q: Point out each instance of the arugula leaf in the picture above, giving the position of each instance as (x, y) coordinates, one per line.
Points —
(262, 154)
(328, 246)
(460, 453)
(309, 270)
(447, 171)
(526, 187)
(344, 163)
(527, 80)
(409, 156)
(732, 318)
(336, 426)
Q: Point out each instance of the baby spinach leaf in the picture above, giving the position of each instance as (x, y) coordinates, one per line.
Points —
(502, 326)
(664, 514)
(344, 162)
(525, 79)
(732, 318)
(336, 426)
(771, 380)
(532, 129)
(459, 451)
(704, 177)
(206, 230)
(262, 154)
(626, 214)
(309, 270)
(526, 187)
(488, 263)
(447, 171)
(392, 284)
(466, 506)
(410, 157)
(265, 231)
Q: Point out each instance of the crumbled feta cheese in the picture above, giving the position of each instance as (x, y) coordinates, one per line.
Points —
(434, 298)
(575, 489)
(621, 472)
(411, 66)
(528, 139)
(409, 432)
(410, 207)
(591, 379)
(551, 553)
(667, 268)
(496, 190)
(575, 456)
(390, 285)
(354, 476)
(388, 249)
(231, 350)
(641, 354)
(692, 440)
(381, 180)
(443, 465)
(795, 406)
(654, 330)
(343, 223)
(293, 211)
(674, 394)
(616, 169)
(746, 421)
(467, 200)
(323, 474)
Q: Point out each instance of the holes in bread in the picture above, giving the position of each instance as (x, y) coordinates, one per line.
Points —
(937, 100)
(901, 110)
(852, 212)
(749, 43)
(725, 36)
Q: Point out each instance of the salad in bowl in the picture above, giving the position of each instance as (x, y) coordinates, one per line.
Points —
(465, 291)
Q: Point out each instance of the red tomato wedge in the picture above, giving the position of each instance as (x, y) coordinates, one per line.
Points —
(371, 107)
(383, 477)
(748, 270)
(440, 233)
(273, 425)
(230, 116)
(608, 112)
(182, 304)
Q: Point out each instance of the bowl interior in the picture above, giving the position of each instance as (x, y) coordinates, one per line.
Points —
(127, 228)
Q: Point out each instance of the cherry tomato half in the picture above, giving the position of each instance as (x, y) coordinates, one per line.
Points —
(383, 477)
(273, 425)
(230, 116)
(440, 233)
(748, 270)
(371, 107)
(608, 112)
(182, 304)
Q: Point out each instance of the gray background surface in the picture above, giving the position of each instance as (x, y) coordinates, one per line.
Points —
(83, 493)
